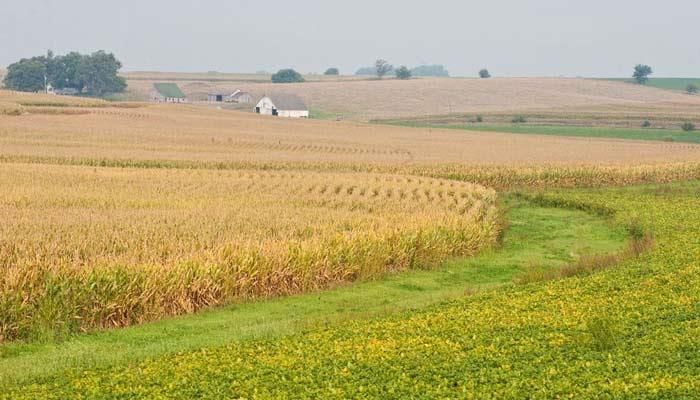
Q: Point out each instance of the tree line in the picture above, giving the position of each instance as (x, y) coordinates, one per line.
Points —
(90, 74)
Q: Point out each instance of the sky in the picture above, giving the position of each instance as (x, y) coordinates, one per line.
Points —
(590, 38)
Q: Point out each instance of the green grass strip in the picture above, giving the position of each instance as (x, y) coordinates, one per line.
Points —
(537, 235)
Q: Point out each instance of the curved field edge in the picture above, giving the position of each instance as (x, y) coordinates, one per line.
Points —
(500, 176)
(627, 332)
(83, 250)
(548, 237)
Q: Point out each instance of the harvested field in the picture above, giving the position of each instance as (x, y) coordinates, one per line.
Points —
(196, 134)
(365, 100)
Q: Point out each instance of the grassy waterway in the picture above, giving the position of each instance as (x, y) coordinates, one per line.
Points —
(536, 236)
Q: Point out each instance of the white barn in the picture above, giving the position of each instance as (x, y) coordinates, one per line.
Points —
(288, 106)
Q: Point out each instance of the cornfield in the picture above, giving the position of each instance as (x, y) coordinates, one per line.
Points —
(84, 248)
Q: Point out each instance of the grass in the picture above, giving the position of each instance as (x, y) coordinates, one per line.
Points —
(679, 84)
(663, 135)
(550, 237)
(625, 332)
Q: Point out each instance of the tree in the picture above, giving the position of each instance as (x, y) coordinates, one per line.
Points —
(63, 71)
(641, 73)
(403, 73)
(27, 75)
(98, 74)
(691, 88)
(382, 67)
(287, 76)
(484, 73)
(94, 74)
(332, 71)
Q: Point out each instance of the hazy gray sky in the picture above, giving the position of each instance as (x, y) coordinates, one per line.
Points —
(510, 37)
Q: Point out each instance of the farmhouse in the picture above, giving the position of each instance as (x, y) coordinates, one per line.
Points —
(288, 106)
(241, 97)
(167, 93)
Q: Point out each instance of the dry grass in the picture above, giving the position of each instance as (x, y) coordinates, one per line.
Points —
(84, 248)
(190, 133)
(370, 99)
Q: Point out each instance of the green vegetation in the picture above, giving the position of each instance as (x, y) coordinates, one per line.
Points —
(403, 73)
(679, 84)
(94, 74)
(547, 237)
(287, 76)
(625, 332)
(641, 73)
(332, 71)
(688, 127)
(484, 73)
(665, 135)
(382, 67)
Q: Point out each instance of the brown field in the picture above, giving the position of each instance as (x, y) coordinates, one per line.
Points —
(199, 134)
(364, 100)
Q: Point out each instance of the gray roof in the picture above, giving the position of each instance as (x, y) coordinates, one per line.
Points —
(288, 102)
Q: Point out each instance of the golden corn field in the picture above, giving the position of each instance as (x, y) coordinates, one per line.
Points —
(84, 248)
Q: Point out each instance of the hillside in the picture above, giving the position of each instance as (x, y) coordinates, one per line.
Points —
(371, 99)
(92, 129)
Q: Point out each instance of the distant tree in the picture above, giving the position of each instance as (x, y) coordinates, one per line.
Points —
(287, 76)
(94, 74)
(403, 73)
(484, 73)
(332, 71)
(688, 126)
(27, 75)
(382, 67)
(430, 70)
(691, 88)
(641, 73)
(98, 74)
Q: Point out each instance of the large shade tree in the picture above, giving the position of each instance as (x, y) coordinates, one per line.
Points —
(95, 74)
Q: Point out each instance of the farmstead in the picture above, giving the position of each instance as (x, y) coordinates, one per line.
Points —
(282, 105)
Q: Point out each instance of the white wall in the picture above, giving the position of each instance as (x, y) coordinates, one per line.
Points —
(266, 106)
(294, 114)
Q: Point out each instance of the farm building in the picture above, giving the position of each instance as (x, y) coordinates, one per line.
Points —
(216, 97)
(288, 106)
(167, 93)
(241, 97)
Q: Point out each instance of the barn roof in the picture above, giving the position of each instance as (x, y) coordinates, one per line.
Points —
(288, 102)
(169, 90)
(238, 94)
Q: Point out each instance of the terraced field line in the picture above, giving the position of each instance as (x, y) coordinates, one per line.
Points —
(545, 236)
